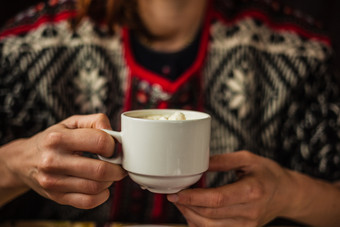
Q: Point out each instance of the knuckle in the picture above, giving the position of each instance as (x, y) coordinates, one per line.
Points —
(188, 199)
(101, 171)
(47, 162)
(101, 121)
(217, 199)
(255, 191)
(103, 141)
(101, 117)
(53, 139)
(94, 188)
(247, 155)
(46, 181)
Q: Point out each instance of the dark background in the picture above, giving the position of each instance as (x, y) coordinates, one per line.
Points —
(326, 11)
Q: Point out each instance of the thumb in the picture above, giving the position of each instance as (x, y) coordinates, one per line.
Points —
(232, 161)
(98, 121)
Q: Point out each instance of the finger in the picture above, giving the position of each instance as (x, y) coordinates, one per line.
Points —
(98, 121)
(232, 161)
(191, 217)
(82, 139)
(82, 167)
(67, 184)
(195, 219)
(79, 200)
(239, 210)
(239, 192)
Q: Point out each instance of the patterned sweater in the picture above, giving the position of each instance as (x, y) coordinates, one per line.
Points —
(261, 71)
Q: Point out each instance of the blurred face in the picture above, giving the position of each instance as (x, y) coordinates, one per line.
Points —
(165, 17)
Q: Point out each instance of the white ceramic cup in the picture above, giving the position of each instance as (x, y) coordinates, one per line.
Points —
(163, 156)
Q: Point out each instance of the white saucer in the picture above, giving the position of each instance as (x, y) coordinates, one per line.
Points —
(164, 184)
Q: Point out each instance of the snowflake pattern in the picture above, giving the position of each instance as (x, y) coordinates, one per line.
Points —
(92, 90)
(237, 90)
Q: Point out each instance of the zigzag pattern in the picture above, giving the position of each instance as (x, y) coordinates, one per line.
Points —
(46, 82)
(250, 88)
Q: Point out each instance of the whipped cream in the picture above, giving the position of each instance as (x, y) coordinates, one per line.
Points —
(177, 116)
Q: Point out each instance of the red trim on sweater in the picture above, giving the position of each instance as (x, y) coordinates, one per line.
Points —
(158, 207)
(128, 93)
(169, 86)
(257, 14)
(116, 201)
(40, 21)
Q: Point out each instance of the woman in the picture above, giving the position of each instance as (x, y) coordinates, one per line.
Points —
(258, 70)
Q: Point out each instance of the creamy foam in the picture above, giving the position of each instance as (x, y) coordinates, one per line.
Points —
(177, 116)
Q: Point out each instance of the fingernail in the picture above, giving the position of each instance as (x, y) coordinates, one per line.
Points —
(173, 198)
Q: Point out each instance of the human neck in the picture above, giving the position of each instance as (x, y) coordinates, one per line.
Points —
(172, 23)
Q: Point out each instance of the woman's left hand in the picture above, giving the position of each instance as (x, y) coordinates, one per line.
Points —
(264, 191)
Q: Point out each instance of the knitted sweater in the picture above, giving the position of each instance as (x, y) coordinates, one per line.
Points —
(261, 72)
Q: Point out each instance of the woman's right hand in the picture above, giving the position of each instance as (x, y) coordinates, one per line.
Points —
(51, 162)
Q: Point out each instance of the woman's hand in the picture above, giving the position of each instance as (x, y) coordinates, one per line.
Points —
(51, 163)
(262, 192)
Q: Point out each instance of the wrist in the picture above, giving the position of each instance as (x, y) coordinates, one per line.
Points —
(9, 179)
(297, 199)
(312, 201)
(10, 184)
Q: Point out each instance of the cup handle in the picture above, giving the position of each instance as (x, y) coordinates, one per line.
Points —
(117, 136)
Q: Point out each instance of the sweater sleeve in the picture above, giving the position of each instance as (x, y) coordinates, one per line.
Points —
(311, 135)
(19, 103)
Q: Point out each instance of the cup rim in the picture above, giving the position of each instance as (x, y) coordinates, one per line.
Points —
(139, 114)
